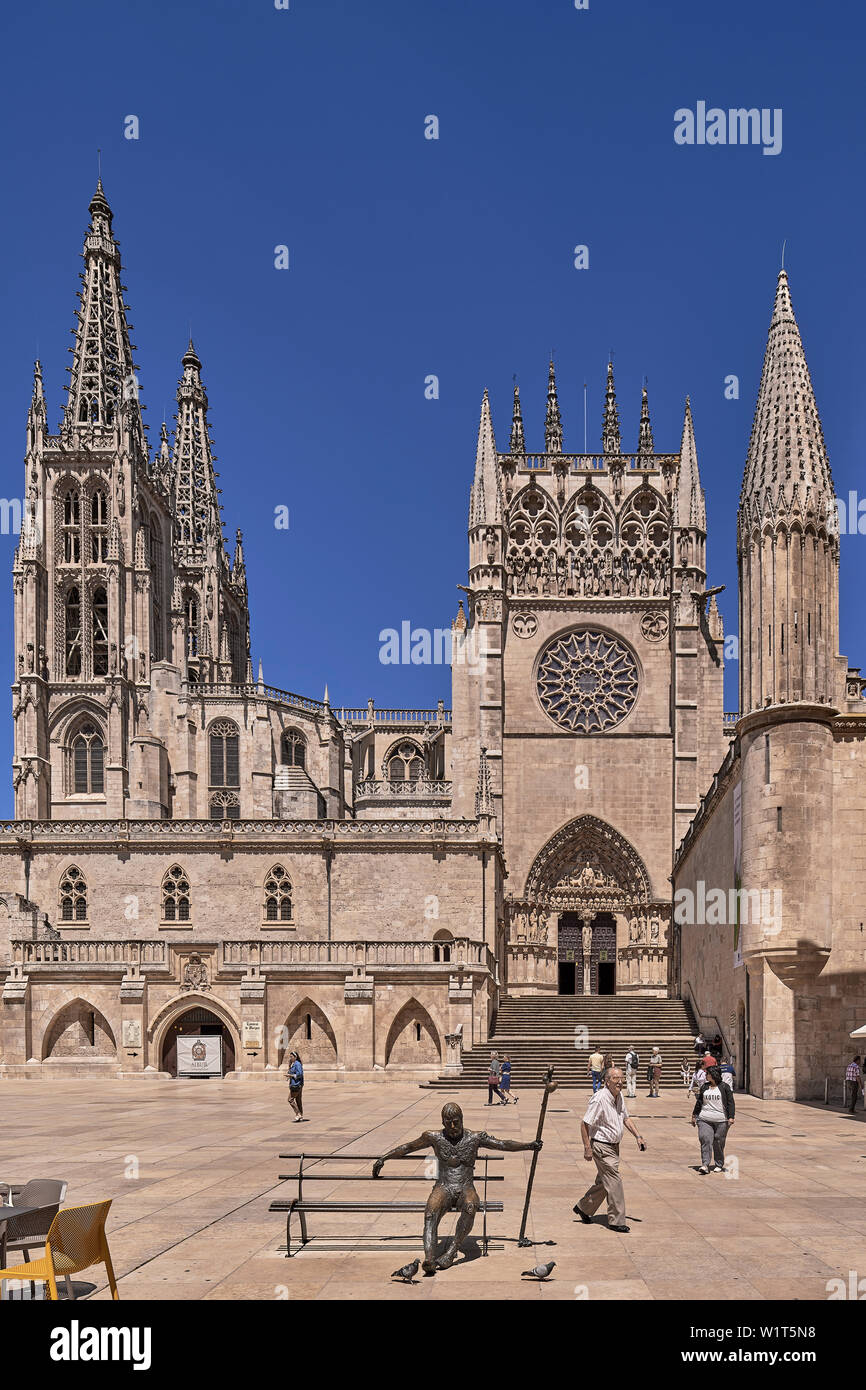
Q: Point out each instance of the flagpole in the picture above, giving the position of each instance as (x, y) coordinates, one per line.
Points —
(549, 1086)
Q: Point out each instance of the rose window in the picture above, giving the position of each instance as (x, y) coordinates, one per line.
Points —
(587, 681)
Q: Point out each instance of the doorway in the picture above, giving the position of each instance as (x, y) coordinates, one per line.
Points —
(196, 1021)
(566, 977)
(606, 977)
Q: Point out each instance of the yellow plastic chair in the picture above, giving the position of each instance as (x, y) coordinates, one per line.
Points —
(75, 1241)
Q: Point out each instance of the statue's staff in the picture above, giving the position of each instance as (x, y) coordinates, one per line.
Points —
(549, 1086)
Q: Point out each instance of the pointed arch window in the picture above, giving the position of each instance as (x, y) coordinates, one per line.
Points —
(87, 761)
(225, 806)
(405, 763)
(73, 632)
(175, 895)
(73, 896)
(100, 632)
(71, 528)
(98, 528)
(191, 613)
(224, 754)
(293, 749)
(278, 896)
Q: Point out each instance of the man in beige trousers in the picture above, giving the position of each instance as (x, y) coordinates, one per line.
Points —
(601, 1130)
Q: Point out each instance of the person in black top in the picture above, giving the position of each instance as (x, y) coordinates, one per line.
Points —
(713, 1114)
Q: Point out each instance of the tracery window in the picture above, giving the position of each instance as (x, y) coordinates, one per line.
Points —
(72, 612)
(587, 681)
(175, 895)
(224, 754)
(71, 528)
(191, 615)
(405, 763)
(100, 632)
(98, 528)
(87, 757)
(73, 896)
(225, 806)
(278, 896)
(293, 749)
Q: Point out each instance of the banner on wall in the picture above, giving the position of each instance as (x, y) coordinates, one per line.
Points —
(738, 865)
(199, 1054)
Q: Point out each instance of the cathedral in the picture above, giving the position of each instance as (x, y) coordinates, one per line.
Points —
(195, 851)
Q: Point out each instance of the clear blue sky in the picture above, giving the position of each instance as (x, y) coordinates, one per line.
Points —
(305, 127)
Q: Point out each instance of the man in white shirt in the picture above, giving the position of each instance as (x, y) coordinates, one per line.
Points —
(601, 1130)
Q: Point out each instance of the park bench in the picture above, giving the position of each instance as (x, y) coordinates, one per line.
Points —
(301, 1205)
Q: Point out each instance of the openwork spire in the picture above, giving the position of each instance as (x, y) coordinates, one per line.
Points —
(611, 440)
(102, 372)
(196, 500)
(645, 433)
(552, 423)
(518, 442)
(786, 450)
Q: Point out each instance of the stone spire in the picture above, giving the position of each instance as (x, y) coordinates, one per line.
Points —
(518, 442)
(196, 500)
(787, 457)
(552, 423)
(787, 547)
(645, 433)
(611, 440)
(239, 569)
(689, 505)
(102, 371)
(486, 503)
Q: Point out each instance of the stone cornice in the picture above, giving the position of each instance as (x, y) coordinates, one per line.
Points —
(310, 835)
(801, 712)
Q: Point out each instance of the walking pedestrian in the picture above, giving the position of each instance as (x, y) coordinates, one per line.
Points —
(601, 1130)
(505, 1081)
(655, 1073)
(713, 1114)
(596, 1069)
(494, 1072)
(853, 1083)
(632, 1062)
(296, 1086)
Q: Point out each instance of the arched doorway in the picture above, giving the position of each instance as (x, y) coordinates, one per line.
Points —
(588, 877)
(196, 1020)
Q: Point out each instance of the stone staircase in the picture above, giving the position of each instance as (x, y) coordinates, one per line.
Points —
(541, 1031)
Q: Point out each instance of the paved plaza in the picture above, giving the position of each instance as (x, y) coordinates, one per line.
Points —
(192, 1167)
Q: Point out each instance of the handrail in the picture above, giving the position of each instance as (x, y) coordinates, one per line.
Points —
(700, 1015)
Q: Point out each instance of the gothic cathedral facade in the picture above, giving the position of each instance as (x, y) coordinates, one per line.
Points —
(195, 848)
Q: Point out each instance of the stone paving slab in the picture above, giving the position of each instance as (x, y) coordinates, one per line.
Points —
(194, 1222)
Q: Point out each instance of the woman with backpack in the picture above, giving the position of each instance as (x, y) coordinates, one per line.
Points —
(713, 1114)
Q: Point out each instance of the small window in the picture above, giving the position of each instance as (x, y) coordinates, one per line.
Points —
(293, 749)
(98, 528)
(175, 896)
(308, 1027)
(406, 764)
(225, 806)
(278, 896)
(73, 896)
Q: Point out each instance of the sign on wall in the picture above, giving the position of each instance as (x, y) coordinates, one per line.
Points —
(131, 1032)
(252, 1033)
(199, 1054)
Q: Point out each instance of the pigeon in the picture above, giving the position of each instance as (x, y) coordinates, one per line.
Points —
(540, 1271)
(407, 1273)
